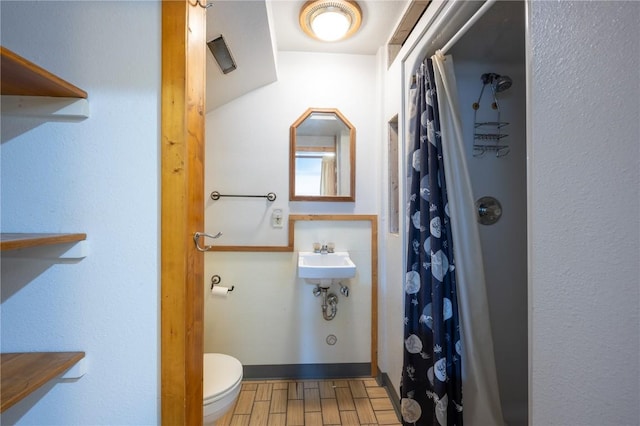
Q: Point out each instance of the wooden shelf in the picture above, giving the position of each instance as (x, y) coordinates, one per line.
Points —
(30, 90)
(9, 241)
(23, 373)
(21, 77)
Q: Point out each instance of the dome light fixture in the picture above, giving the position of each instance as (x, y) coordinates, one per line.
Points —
(330, 20)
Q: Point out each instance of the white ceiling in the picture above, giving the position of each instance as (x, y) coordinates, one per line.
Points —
(379, 18)
(255, 29)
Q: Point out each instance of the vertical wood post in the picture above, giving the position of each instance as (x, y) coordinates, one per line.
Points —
(182, 144)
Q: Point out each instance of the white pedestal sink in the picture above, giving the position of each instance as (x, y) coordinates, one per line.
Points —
(323, 268)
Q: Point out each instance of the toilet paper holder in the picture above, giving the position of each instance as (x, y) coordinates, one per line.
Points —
(215, 280)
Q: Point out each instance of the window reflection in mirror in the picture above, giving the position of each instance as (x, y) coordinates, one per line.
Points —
(322, 157)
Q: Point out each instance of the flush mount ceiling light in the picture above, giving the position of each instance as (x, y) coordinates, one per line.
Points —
(330, 20)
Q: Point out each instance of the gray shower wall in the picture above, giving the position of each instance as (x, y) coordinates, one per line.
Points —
(504, 244)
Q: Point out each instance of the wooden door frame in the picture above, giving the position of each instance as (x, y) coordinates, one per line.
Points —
(182, 211)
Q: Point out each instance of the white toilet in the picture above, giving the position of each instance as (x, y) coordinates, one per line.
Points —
(222, 379)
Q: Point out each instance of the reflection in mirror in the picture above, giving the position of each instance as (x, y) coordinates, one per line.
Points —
(322, 157)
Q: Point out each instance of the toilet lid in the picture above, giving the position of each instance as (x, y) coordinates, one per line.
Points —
(221, 373)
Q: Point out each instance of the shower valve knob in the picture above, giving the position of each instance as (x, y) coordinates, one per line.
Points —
(489, 210)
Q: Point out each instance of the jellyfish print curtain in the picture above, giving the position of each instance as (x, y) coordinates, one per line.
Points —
(431, 390)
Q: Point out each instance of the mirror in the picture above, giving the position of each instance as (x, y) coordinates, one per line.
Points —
(322, 163)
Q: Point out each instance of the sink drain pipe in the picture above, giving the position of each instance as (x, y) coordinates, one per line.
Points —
(329, 302)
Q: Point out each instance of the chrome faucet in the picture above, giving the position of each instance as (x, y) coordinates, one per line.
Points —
(324, 248)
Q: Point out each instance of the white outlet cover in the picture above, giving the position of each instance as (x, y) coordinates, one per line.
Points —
(277, 218)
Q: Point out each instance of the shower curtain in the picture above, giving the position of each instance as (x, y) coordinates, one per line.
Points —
(432, 375)
(479, 378)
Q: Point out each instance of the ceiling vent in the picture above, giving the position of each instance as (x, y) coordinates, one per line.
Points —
(222, 54)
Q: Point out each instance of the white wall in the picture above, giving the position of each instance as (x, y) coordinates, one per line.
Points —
(247, 152)
(272, 317)
(584, 215)
(99, 176)
(391, 309)
(247, 148)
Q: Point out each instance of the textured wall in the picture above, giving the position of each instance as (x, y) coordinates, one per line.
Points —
(584, 226)
(99, 176)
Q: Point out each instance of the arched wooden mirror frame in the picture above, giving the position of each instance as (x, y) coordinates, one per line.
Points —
(351, 196)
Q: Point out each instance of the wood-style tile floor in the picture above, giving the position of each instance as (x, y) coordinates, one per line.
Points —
(311, 403)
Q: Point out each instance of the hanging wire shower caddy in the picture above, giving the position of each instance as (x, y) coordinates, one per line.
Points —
(488, 134)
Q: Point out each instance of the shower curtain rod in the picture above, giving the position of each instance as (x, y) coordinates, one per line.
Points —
(462, 31)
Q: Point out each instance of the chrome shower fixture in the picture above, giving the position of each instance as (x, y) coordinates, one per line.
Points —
(499, 83)
(502, 83)
(488, 133)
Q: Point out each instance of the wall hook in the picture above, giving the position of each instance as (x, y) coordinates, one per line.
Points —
(204, 5)
(196, 239)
